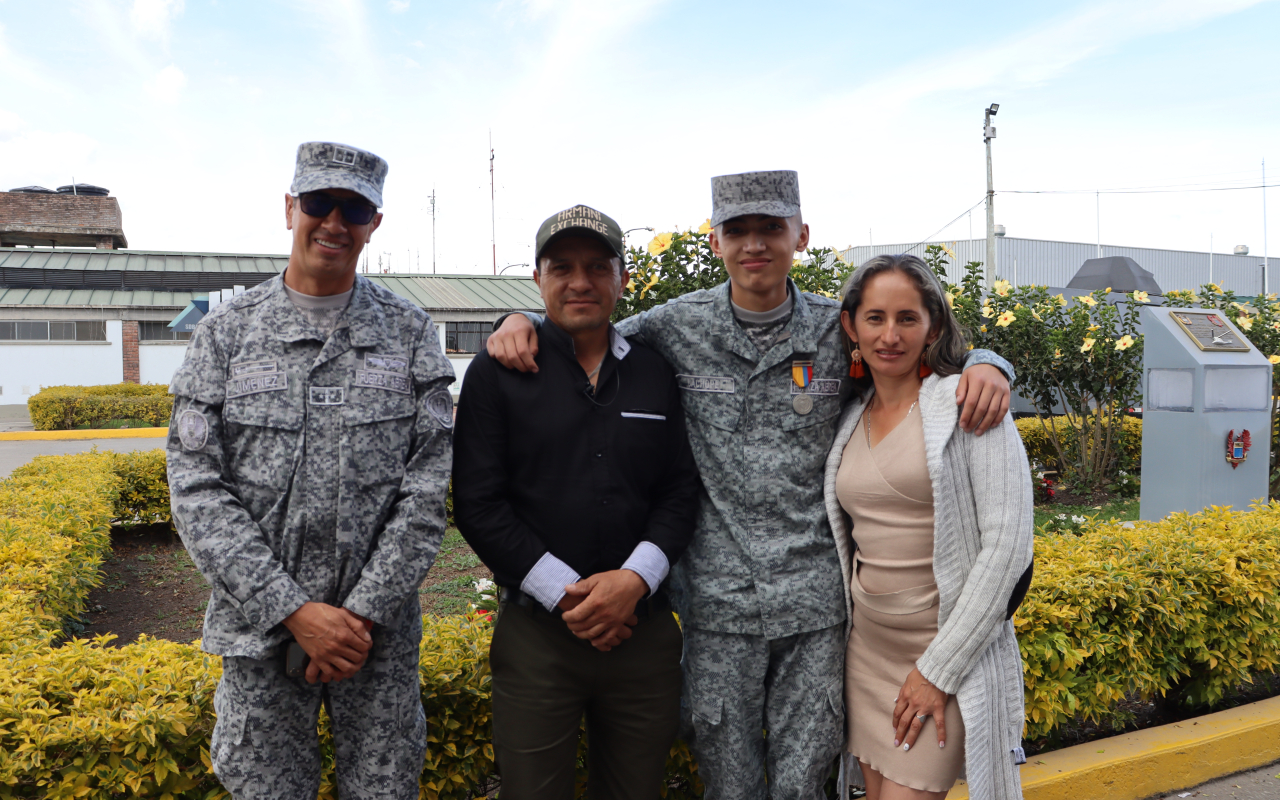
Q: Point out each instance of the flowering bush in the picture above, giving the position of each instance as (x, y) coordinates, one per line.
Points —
(1083, 354)
(1125, 485)
(487, 604)
(1073, 524)
(679, 262)
(1259, 320)
(1042, 485)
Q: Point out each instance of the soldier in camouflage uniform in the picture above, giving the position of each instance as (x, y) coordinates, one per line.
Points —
(309, 455)
(760, 591)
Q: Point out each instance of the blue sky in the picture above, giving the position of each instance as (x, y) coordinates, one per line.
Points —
(190, 113)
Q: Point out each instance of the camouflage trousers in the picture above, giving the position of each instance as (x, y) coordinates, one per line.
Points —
(760, 707)
(265, 743)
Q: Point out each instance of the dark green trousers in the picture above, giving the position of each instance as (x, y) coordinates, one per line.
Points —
(545, 679)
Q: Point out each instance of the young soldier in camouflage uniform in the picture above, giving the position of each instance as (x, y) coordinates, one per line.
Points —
(309, 456)
(760, 593)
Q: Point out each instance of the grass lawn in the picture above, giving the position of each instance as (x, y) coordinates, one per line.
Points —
(448, 588)
(115, 424)
(1123, 510)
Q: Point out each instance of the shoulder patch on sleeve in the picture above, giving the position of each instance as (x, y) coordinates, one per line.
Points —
(440, 404)
(193, 429)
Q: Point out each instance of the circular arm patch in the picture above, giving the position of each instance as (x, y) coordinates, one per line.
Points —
(193, 429)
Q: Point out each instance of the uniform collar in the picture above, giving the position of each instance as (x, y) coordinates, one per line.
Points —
(803, 336)
(364, 317)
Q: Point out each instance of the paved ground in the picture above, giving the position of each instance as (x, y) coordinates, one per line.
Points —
(15, 418)
(15, 454)
(1258, 784)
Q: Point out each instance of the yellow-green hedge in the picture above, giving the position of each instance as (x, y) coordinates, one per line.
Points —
(1040, 447)
(84, 719)
(1191, 602)
(61, 408)
(144, 489)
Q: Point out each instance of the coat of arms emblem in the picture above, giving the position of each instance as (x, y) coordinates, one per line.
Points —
(1237, 447)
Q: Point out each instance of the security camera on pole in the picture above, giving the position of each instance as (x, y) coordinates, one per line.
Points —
(989, 133)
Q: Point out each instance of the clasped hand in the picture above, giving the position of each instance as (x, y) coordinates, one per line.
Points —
(602, 607)
(337, 640)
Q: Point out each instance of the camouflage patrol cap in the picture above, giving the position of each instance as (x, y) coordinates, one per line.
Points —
(580, 219)
(328, 165)
(774, 194)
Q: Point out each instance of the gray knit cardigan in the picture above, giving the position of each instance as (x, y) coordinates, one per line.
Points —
(983, 541)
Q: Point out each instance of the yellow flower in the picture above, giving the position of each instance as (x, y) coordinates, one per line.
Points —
(1124, 342)
(951, 299)
(1062, 301)
(1005, 319)
(988, 312)
(631, 285)
(1001, 288)
(1245, 322)
(1057, 353)
(660, 243)
(1108, 290)
(1093, 327)
(971, 346)
(705, 227)
(1037, 316)
(653, 279)
(1087, 300)
(1088, 345)
(1274, 359)
(840, 256)
(795, 262)
(983, 329)
(1275, 326)
(1141, 297)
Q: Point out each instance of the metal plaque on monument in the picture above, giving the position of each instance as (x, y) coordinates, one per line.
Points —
(1206, 420)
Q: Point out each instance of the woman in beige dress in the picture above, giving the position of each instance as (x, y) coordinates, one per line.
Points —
(937, 528)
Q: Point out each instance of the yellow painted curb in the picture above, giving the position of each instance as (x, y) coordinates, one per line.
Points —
(1157, 760)
(115, 433)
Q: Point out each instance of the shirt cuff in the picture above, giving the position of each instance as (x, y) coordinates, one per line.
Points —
(546, 581)
(649, 562)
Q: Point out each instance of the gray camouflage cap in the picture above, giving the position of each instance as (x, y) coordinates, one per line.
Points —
(581, 219)
(774, 194)
(328, 165)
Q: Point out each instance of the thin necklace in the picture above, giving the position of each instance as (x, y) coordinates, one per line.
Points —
(867, 419)
(593, 372)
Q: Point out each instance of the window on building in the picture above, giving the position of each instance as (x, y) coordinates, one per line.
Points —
(160, 332)
(466, 337)
(56, 331)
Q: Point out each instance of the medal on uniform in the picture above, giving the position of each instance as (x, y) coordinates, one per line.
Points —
(802, 376)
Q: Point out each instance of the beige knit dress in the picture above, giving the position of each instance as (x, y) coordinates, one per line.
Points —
(887, 492)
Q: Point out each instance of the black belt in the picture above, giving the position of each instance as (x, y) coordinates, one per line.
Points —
(646, 608)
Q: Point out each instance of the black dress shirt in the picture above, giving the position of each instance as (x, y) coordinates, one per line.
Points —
(543, 464)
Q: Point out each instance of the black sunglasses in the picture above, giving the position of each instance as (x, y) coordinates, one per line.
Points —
(355, 210)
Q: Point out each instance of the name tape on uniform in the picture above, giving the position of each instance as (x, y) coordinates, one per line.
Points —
(706, 383)
(378, 379)
(386, 363)
(261, 382)
(823, 386)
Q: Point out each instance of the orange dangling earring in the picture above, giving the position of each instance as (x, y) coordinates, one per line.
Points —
(925, 370)
(857, 369)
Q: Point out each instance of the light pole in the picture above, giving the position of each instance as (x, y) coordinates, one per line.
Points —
(989, 133)
(624, 240)
(509, 266)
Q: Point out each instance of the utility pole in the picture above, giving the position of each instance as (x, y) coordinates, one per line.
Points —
(1266, 262)
(433, 230)
(493, 218)
(989, 133)
(1097, 206)
(1211, 258)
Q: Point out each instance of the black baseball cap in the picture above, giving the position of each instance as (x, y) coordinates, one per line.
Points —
(580, 219)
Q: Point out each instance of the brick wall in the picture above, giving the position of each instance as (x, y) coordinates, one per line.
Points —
(25, 218)
(130, 336)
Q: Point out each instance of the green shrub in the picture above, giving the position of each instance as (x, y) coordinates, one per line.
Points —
(1185, 608)
(144, 491)
(1040, 447)
(62, 408)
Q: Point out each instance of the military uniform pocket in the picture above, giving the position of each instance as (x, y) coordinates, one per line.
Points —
(379, 429)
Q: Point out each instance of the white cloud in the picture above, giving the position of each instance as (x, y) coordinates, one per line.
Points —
(419, 45)
(152, 18)
(397, 6)
(167, 84)
(405, 61)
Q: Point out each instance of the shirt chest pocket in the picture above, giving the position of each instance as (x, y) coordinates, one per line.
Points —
(263, 432)
(719, 408)
(378, 431)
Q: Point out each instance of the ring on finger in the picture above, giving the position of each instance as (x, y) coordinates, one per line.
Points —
(921, 716)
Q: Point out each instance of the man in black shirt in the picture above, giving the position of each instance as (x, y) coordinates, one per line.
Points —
(579, 490)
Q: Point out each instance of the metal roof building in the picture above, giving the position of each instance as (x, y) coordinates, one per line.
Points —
(60, 307)
(1046, 263)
